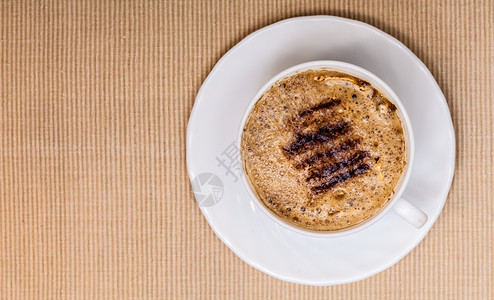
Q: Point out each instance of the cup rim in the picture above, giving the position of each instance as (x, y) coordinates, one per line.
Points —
(382, 87)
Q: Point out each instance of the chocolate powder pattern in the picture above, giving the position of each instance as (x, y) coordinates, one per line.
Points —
(307, 141)
(329, 164)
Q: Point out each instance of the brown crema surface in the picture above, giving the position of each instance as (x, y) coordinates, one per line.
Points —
(323, 150)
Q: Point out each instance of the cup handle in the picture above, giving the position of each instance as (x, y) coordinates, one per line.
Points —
(410, 213)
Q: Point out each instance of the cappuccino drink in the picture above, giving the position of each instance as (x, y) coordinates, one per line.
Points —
(323, 150)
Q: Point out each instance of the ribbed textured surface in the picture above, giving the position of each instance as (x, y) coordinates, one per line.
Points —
(95, 201)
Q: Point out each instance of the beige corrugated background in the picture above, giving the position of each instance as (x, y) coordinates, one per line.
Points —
(94, 102)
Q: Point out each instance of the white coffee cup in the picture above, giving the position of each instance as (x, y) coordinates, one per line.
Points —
(400, 205)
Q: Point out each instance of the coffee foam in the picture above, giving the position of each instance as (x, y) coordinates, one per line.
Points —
(323, 150)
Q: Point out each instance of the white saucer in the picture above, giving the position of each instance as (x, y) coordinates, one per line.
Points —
(212, 159)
